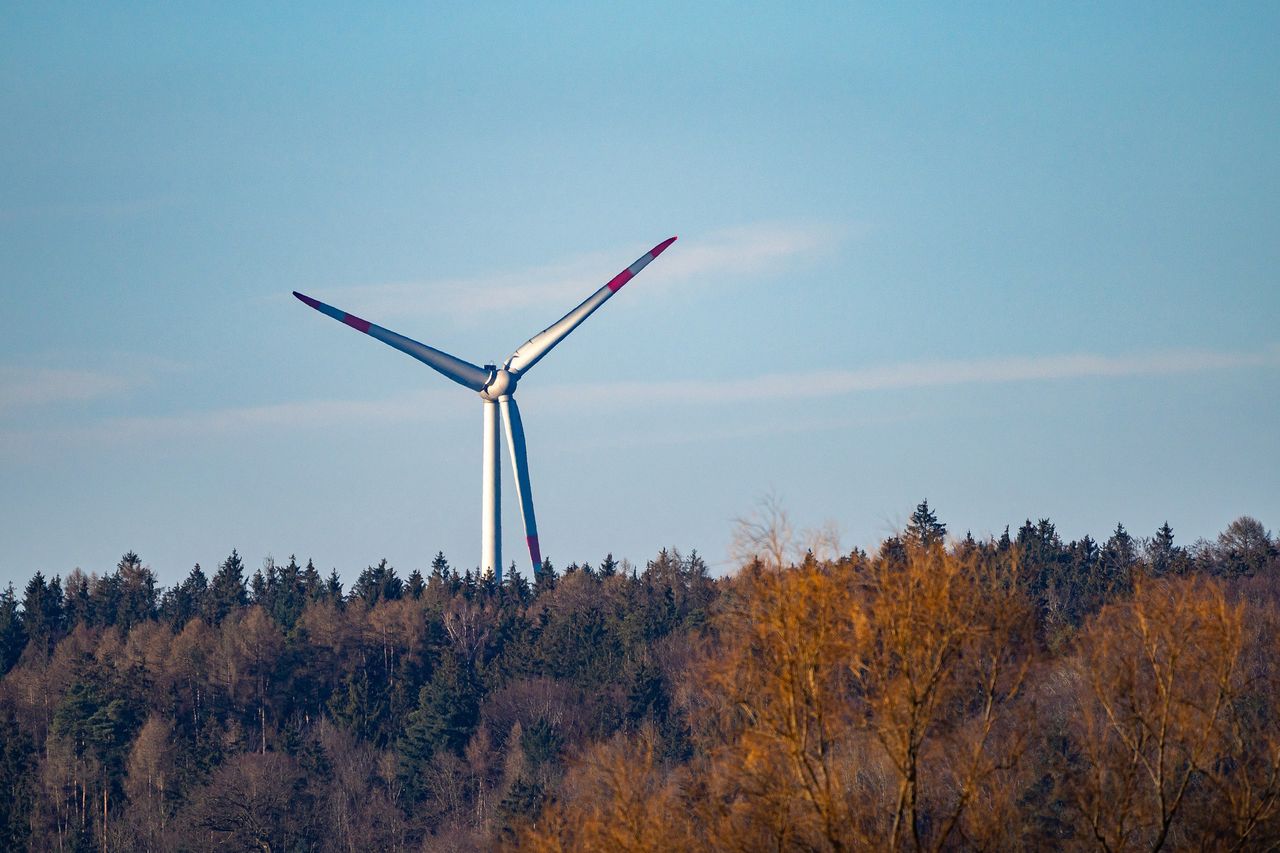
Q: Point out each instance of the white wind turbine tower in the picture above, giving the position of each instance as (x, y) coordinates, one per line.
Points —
(497, 388)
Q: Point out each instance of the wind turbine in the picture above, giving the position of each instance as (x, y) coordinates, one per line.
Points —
(497, 388)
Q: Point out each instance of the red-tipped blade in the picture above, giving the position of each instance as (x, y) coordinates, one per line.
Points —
(540, 344)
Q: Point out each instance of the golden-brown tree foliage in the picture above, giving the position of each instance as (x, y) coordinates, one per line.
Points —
(617, 799)
(842, 706)
(940, 681)
(1175, 738)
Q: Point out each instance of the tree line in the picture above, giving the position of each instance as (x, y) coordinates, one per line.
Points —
(940, 693)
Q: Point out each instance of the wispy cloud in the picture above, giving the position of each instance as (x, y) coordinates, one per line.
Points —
(932, 374)
(775, 387)
(26, 387)
(721, 256)
(237, 421)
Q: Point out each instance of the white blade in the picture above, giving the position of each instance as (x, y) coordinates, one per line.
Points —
(540, 344)
(463, 372)
(520, 462)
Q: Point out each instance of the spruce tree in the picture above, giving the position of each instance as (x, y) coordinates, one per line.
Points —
(13, 635)
(139, 594)
(925, 530)
(1118, 558)
(186, 600)
(312, 583)
(608, 566)
(415, 585)
(378, 583)
(446, 714)
(291, 594)
(18, 782)
(333, 588)
(1166, 558)
(227, 590)
(42, 610)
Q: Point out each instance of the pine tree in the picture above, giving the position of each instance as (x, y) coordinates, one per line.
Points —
(312, 582)
(18, 761)
(76, 605)
(13, 635)
(1118, 559)
(138, 591)
(42, 611)
(291, 594)
(516, 585)
(446, 714)
(608, 566)
(1166, 558)
(227, 590)
(105, 596)
(333, 588)
(185, 601)
(258, 590)
(378, 583)
(924, 530)
(415, 586)
(544, 579)
(360, 705)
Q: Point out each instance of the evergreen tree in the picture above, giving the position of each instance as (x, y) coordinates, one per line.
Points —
(378, 583)
(183, 602)
(893, 551)
(544, 578)
(104, 599)
(361, 705)
(18, 778)
(415, 586)
(291, 594)
(97, 718)
(13, 635)
(443, 720)
(138, 592)
(312, 583)
(333, 588)
(227, 590)
(516, 585)
(924, 530)
(522, 801)
(42, 611)
(608, 566)
(1118, 559)
(1165, 557)
(258, 590)
(440, 567)
(76, 605)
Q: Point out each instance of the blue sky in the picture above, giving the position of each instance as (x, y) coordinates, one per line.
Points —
(1016, 259)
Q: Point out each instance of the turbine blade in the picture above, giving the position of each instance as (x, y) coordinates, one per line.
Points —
(463, 372)
(540, 344)
(520, 462)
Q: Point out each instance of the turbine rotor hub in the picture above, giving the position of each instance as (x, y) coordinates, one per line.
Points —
(502, 383)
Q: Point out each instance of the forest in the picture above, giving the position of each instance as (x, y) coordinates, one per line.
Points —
(940, 693)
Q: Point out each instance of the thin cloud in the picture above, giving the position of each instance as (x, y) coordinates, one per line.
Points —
(28, 387)
(936, 374)
(236, 421)
(421, 406)
(401, 409)
(723, 255)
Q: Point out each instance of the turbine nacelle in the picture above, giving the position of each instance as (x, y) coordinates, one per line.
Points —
(502, 383)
